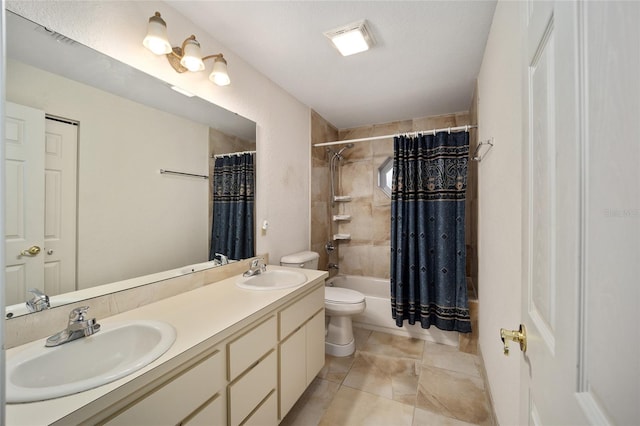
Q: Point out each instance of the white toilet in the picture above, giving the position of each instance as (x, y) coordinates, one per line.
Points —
(339, 304)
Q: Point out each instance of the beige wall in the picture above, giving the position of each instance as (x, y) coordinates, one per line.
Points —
(368, 251)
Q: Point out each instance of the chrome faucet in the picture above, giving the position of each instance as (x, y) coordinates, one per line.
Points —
(78, 327)
(223, 259)
(39, 301)
(257, 267)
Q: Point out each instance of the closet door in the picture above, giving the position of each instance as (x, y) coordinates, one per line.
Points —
(61, 152)
(24, 201)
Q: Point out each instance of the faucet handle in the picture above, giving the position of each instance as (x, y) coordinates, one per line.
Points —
(77, 314)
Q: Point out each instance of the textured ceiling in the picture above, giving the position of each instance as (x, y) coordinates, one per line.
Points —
(425, 61)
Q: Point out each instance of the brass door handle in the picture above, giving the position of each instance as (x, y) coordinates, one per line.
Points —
(519, 336)
(31, 251)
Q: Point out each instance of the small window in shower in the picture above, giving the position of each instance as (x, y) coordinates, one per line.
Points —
(385, 176)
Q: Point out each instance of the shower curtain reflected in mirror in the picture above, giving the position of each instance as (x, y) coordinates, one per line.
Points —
(232, 231)
(428, 283)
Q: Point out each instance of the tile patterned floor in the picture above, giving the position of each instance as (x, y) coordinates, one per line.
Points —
(395, 381)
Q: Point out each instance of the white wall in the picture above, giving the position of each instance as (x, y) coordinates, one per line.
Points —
(132, 221)
(117, 28)
(499, 195)
(2, 219)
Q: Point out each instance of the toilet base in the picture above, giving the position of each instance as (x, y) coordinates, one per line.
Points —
(336, 350)
(339, 340)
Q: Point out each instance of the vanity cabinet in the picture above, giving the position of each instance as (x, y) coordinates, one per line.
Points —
(195, 396)
(252, 373)
(301, 346)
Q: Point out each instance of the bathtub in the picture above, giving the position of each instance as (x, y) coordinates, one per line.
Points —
(377, 314)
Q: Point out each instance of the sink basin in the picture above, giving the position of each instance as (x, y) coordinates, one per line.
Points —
(117, 350)
(274, 279)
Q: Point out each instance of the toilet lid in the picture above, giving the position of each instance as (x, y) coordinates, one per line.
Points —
(342, 295)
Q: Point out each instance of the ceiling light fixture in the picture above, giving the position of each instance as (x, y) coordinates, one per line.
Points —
(186, 57)
(352, 38)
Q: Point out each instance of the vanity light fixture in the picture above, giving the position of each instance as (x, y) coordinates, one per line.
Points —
(352, 38)
(187, 57)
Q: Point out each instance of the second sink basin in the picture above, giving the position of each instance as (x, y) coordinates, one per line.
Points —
(274, 279)
(41, 373)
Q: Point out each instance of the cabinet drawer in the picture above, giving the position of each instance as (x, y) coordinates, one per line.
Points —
(245, 394)
(266, 414)
(176, 400)
(251, 346)
(214, 413)
(293, 316)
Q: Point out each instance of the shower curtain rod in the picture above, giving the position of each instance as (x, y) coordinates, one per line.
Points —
(232, 153)
(373, 138)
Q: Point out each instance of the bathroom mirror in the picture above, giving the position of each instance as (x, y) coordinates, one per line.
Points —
(130, 219)
(385, 176)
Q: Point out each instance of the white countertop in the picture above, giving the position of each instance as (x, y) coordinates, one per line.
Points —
(208, 314)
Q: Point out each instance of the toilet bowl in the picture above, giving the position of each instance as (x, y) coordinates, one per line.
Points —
(340, 304)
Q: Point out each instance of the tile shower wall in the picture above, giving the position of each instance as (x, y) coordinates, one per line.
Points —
(321, 131)
(367, 253)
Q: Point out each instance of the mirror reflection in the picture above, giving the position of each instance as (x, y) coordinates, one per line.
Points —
(86, 138)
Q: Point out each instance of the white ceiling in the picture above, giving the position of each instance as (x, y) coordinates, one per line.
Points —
(425, 61)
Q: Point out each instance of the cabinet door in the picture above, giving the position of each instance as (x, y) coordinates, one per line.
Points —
(293, 370)
(315, 345)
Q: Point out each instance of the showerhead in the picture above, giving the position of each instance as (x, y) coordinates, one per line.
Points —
(349, 145)
(338, 154)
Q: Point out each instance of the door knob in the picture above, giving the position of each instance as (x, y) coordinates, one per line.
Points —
(519, 336)
(31, 251)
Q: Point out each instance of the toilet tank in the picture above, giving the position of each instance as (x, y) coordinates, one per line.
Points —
(303, 259)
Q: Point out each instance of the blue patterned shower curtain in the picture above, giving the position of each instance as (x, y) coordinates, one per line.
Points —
(232, 232)
(428, 255)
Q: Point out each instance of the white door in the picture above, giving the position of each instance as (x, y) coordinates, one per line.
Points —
(61, 148)
(581, 207)
(24, 191)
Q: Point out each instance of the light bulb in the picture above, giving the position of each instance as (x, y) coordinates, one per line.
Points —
(156, 39)
(192, 58)
(219, 73)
